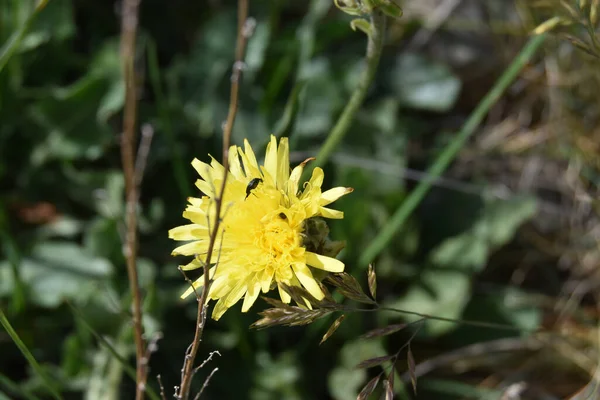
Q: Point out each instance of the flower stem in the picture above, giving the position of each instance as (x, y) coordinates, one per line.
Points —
(244, 31)
(129, 25)
(374, 46)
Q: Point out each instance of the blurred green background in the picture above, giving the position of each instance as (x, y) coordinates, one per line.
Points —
(507, 236)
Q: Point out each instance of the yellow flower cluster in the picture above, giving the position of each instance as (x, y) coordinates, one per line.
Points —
(260, 239)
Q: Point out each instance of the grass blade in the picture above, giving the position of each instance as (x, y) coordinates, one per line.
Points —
(13, 43)
(30, 358)
(445, 158)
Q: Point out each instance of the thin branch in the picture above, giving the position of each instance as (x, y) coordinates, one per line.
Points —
(129, 24)
(142, 154)
(475, 350)
(480, 324)
(163, 396)
(208, 359)
(205, 385)
(244, 31)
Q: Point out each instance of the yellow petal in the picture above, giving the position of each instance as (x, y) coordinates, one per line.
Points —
(195, 215)
(332, 195)
(294, 180)
(265, 278)
(285, 297)
(220, 287)
(195, 202)
(330, 213)
(249, 153)
(236, 293)
(204, 170)
(217, 167)
(308, 281)
(267, 177)
(198, 283)
(324, 262)
(316, 180)
(271, 159)
(249, 162)
(234, 164)
(190, 249)
(195, 264)
(283, 163)
(219, 310)
(205, 187)
(251, 296)
(188, 232)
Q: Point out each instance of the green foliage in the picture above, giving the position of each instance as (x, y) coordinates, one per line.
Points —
(444, 284)
(422, 84)
(63, 282)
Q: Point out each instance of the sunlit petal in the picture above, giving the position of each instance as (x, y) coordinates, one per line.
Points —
(285, 297)
(234, 164)
(331, 195)
(271, 159)
(324, 262)
(283, 163)
(330, 213)
(292, 188)
(251, 296)
(308, 281)
(188, 232)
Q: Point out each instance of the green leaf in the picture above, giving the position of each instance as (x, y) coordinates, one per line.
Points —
(440, 293)
(346, 381)
(320, 98)
(497, 225)
(503, 217)
(55, 22)
(112, 101)
(444, 287)
(424, 84)
(59, 270)
(64, 226)
(257, 48)
(102, 239)
(47, 21)
(278, 375)
(73, 355)
(95, 96)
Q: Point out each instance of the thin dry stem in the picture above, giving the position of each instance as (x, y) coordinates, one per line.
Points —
(129, 24)
(208, 359)
(142, 154)
(205, 385)
(163, 396)
(244, 31)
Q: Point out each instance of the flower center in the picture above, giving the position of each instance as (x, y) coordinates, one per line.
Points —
(278, 239)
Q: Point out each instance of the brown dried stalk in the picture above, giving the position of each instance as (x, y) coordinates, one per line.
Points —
(129, 23)
(244, 31)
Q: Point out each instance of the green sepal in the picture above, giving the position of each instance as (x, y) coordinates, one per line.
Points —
(361, 24)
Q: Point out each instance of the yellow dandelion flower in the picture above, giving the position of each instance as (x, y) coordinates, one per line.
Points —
(261, 239)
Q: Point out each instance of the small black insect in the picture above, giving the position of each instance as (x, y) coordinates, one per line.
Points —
(252, 185)
(282, 216)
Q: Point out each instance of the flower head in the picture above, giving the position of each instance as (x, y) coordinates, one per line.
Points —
(262, 240)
